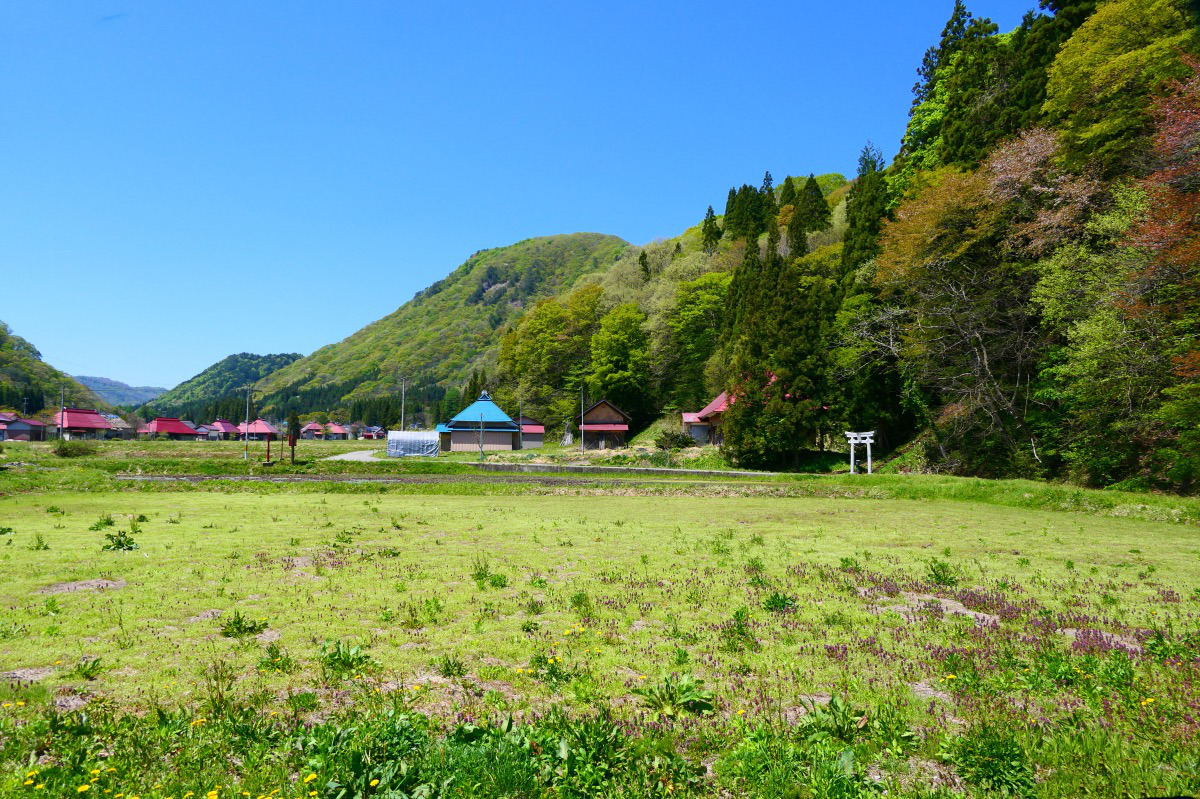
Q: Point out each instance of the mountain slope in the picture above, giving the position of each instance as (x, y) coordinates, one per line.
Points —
(28, 384)
(220, 380)
(443, 331)
(118, 393)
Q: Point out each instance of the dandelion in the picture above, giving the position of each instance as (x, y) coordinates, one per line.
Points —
(27, 782)
(374, 783)
(741, 712)
(641, 676)
(83, 788)
(31, 774)
(310, 778)
(20, 704)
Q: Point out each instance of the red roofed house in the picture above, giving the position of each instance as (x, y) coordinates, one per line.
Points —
(335, 432)
(224, 429)
(13, 428)
(168, 427)
(705, 426)
(533, 433)
(81, 423)
(259, 430)
(604, 426)
(312, 430)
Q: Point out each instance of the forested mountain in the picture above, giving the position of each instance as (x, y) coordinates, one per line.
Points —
(117, 393)
(198, 396)
(28, 384)
(443, 332)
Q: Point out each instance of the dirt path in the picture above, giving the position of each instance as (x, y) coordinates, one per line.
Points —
(365, 455)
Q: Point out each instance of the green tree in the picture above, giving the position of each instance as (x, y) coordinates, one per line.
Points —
(866, 209)
(710, 232)
(695, 323)
(811, 214)
(787, 195)
(1101, 82)
(620, 352)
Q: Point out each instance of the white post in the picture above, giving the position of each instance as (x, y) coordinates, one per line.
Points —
(852, 455)
(868, 454)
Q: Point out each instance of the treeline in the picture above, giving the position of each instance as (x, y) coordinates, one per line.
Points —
(1016, 293)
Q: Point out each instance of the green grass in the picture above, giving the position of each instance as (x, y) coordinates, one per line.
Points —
(712, 621)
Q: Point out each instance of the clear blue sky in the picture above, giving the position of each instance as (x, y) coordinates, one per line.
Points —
(164, 164)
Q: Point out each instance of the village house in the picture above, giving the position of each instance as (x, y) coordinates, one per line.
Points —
(120, 428)
(533, 433)
(480, 423)
(373, 432)
(336, 432)
(604, 426)
(14, 428)
(76, 423)
(223, 429)
(705, 426)
(260, 430)
(312, 430)
(168, 427)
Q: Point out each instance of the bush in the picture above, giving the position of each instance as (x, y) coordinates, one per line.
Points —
(73, 449)
(991, 758)
(674, 696)
(673, 439)
(120, 541)
(239, 626)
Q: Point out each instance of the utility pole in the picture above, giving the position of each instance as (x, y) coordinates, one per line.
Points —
(25, 407)
(402, 382)
(62, 410)
(246, 434)
(581, 447)
(481, 437)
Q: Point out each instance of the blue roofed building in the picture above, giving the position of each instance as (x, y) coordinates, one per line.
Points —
(482, 423)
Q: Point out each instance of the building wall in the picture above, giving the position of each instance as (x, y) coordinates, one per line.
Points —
(468, 440)
(698, 432)
(603, 414)
(603, 439)
(533, 440)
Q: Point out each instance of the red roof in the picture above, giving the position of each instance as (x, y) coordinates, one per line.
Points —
(334, 427)
(258, 427)
(5, 416)
(81, 419)
(312, 426)
(168, 425)
(605, 428)
(691, 418)
(224, 426)
(533, 428)
(719, 405)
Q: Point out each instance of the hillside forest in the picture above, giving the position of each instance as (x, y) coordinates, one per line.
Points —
(1015, 293)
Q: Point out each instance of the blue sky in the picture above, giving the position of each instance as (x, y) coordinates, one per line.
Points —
(167, 167)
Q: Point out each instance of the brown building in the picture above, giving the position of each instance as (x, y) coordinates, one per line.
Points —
(604, 426)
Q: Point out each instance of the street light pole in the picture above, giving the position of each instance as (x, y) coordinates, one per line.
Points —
(246, 434)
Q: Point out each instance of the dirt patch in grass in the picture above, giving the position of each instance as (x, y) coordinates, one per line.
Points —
(82, 585)
(924, 690)
(921, 603)
(205, 615)
(26, 675)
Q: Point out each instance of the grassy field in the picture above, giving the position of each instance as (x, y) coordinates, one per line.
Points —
(467, 635)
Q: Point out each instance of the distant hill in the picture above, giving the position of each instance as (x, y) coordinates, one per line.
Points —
(118, 393)
(445, 330)
(28, 384)
(219, 380)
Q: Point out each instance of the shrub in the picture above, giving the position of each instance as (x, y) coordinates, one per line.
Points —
(339, 659)
(120, 541)
(674, 696)
(73, 449)
(239, 626)
(450, 667)
(106, 520)
(673, 439)
(780, 603)
(991, 758)
(941, 573)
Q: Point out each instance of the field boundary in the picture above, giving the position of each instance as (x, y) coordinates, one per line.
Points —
(589, 469)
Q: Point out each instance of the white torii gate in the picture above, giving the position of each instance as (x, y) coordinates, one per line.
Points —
(867, 438)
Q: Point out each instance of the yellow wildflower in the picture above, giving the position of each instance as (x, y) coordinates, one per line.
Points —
(374, 783)
(83, 788)
(310, 778)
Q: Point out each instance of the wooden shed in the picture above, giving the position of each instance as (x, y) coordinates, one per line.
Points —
(604, 426)
(533, 433)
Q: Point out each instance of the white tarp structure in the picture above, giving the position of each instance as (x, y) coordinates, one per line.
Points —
(403, 442)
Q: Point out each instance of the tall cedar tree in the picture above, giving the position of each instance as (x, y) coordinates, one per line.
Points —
(787, 195)
(866, 209)
(952, 34)
(710, 232)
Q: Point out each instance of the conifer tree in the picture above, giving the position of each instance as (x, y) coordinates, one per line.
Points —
(644, 263)
(866, 208)
(813, 207)
(710, 232)
(787, 195)
(797, 233)
(766, 204)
